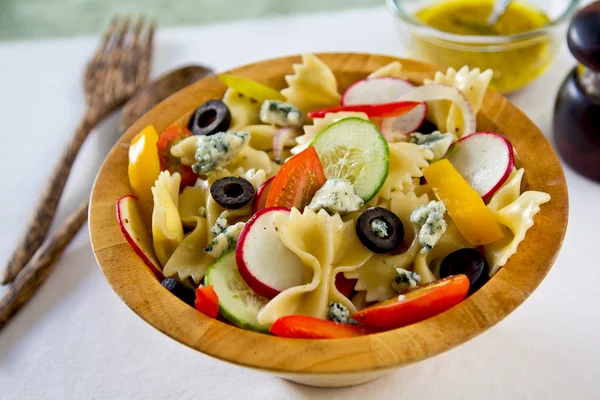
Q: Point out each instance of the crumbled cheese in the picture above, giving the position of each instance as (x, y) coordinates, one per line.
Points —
(218, 150)
(339, 313)
(224, 236)
(437, 142)
(405, 281)
(379, 228)
(336, 196)
(401, 297)
(431, 219)
(279, 113)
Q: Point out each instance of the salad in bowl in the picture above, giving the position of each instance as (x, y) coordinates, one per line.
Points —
(314, 214)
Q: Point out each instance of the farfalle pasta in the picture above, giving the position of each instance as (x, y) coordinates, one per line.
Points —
(312, 86)
(332, 248)
(282, 208)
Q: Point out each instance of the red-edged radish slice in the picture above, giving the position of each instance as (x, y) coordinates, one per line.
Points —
(260, 198)
(284, 137)
(438, 91)
(377, 90)
(386, 90)
(485, 160)
(135, 232)
(264, 262)
(405, 124)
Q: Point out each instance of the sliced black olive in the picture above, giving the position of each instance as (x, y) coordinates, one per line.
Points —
(210, 118)
(469, 262)
(377, 240)
(232, 193)
(427, 127)
(182, 292)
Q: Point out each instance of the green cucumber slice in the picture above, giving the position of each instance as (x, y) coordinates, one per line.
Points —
(354, 149)
(237, 302)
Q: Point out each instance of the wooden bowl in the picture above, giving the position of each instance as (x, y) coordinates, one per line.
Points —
(340, 362)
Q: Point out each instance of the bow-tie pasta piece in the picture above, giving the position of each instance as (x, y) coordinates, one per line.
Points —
(167, 231)
(326, 245)
(450, 241)
(376, 275)
(406, 162)
(472, 82)
(393, 69)
(312, 86)
(515, 213)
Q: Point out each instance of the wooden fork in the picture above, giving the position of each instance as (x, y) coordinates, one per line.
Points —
(120, 67)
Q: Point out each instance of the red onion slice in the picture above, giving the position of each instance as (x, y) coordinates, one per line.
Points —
(284, 137)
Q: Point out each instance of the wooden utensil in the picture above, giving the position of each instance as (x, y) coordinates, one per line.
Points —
(34, 273)
(339, 362)
(120, 66)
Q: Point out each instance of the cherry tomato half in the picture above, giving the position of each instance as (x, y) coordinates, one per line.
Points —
(297, 181)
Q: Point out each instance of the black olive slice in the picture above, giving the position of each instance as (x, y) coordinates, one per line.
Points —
(232, 193)
(210, 118)
(469, 262)
(182, 292)
(373, 237)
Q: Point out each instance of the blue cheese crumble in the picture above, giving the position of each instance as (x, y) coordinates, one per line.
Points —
(379, 228)
(437, 142)
(336, 196)
(279, 113)
(224, 236)
(218, 150)
(405, 281)
(430, 218)
(339, 313)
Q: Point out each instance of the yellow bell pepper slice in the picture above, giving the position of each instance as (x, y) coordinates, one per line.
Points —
(143, 169)
(466, 208)
(250, 88)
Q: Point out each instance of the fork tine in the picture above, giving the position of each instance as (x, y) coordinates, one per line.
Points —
(137, 31)
(108, 33)
(122, 33)
(146, 48)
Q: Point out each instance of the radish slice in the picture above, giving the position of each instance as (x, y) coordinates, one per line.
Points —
(485, 160)
(376, 91)
(135, 232)
(283, 137)
(264, 262)
(405, 124)
(386, 90)
(260, 198)
(438, 91)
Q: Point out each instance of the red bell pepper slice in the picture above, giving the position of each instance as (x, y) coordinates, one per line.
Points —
(384, 110)
(305, 327)
(417, 305)
(207, 301)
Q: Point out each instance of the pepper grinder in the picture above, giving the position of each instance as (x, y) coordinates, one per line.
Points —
(577, 107)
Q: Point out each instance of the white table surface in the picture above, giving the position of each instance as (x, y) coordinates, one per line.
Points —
(77, 340)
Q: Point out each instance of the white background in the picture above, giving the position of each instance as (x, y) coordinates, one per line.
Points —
(77, 340)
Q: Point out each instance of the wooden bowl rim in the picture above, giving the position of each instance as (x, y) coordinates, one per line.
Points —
(141, 292)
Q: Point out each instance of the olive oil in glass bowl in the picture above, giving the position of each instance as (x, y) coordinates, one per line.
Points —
(452, 33)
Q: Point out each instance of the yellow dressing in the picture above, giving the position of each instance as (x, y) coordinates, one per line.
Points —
(514, 64)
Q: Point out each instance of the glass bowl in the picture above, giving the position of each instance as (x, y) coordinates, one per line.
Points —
(515, 59)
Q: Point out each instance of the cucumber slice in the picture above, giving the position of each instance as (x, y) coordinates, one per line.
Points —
(237, 302)
(354, 149)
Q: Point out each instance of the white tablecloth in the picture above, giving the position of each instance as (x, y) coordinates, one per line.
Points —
(77, 340)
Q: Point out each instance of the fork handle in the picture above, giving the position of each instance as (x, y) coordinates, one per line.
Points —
(34, 273)
(39, 224)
